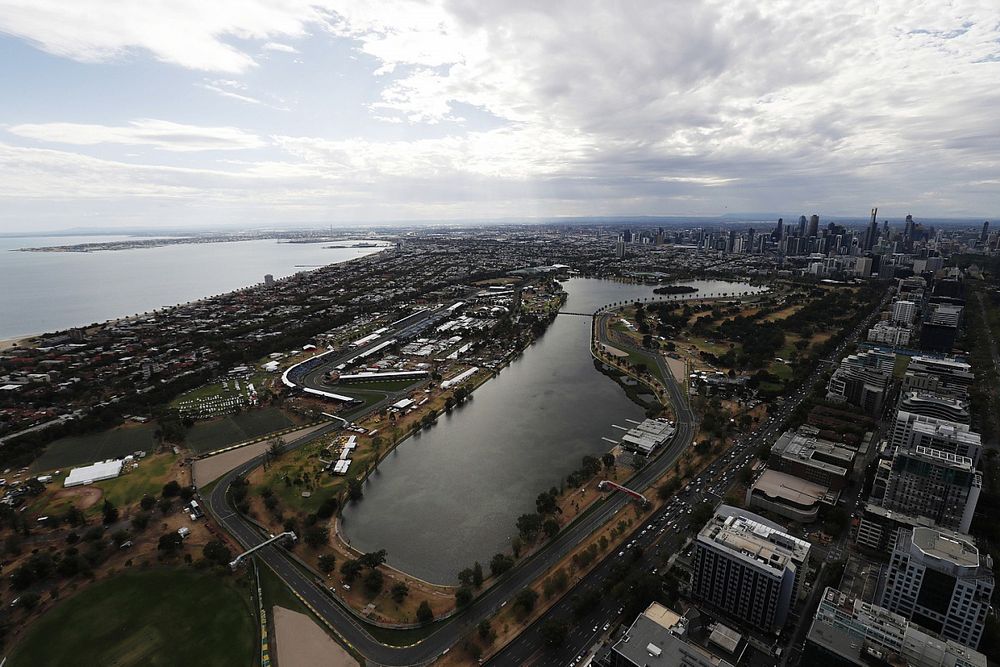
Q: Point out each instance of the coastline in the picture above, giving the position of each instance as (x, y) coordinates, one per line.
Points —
(24, 340)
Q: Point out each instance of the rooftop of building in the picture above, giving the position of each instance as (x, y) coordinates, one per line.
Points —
(659, 636)
(794, 490)
(742, 534)
(944, 546)
(804, 448)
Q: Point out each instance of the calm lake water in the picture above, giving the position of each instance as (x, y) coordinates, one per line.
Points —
(50, 291)
(451, 495)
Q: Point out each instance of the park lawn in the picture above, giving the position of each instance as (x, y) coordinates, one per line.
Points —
(899, 368)
(216, 389)
(304, 464)
(86, 449)
(160, 617)
(778, 369)
(148, 479)
(212, 434)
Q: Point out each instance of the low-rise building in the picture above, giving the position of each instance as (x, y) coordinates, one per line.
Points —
(847, 632)
(789, 496)
(804, 455)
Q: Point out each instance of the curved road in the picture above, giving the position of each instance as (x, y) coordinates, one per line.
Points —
(449, 632)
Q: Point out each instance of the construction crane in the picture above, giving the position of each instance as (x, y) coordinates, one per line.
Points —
(608, 485)
(235, 563)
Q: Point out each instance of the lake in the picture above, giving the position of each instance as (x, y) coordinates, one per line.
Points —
(451, 495)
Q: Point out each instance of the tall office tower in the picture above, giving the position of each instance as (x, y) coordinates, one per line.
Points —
(939, 580)
(731, 240)
(936, 405)
(268, 279)
(936, 484)
(627, 236)
(748, 568)
(779, 231)
(802, 225)
(750, 234)
(620, 248)
(872, 232)
(862, 380)
(813, 225)
(985, 233)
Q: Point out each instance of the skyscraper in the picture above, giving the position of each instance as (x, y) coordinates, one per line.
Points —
(802, 225)
(813, 225)
(872, 232)
(779, 231)
(985, 233)
(938, 580)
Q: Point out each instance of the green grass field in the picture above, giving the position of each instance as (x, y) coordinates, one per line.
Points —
(84, 449)
(150, 619)
(148, 479)
(207, 436)
(216, 389)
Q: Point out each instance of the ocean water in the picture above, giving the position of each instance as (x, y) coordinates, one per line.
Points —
(50, 291)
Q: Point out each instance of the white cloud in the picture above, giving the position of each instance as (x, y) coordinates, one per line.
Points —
(277, 46)
(190, 33)
(160, 134)
(578, 106)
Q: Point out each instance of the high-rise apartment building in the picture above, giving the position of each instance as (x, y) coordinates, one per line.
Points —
(748, 568)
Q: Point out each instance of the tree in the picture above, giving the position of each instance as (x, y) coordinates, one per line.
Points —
(165, 505)
(424, 613)
(525, 600)
(465, 577)
(120, 537)
(171, 489)
(668, 488)
(551, 527)
(545, 503)
(399, 591)
(374, 582)
(355, 490)
(701, 513)
(275, 448)
(350, 569)
(528, 525)
(140, 521)
(316, 536)
(463, 596)
(477, 574)
(327, 563)
(109, 512)
(373, 559)
(170, 543)
(608, 459)
(327, 508)
(187, 493)
(554, 632)
(217, 553)
(500, 563)
(485, 631)
(147, 503)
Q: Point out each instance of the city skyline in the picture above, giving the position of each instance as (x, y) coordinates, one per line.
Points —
(321, 113)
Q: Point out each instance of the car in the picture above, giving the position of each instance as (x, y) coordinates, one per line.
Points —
(621, 553)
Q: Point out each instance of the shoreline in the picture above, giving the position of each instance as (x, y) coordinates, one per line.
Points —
(9, 342)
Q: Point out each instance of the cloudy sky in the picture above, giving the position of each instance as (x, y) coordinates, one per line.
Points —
(144, 112)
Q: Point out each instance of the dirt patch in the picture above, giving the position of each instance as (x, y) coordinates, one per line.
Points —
(302, 643)
(82, 497)
(211, 468)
